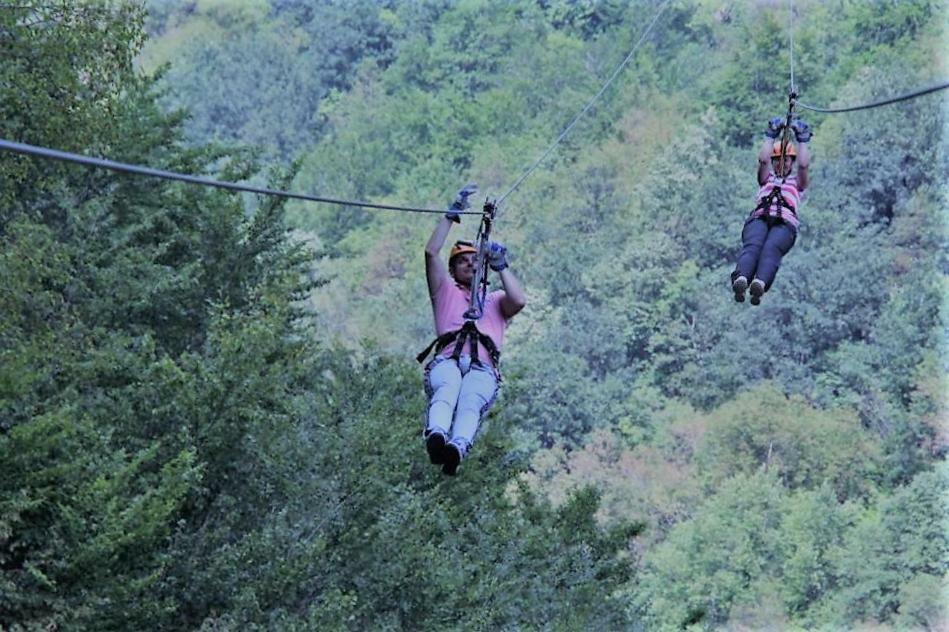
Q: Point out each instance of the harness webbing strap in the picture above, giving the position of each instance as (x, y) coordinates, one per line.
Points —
(463, 334)
(775, 195)
(468, 331)
(439, 342)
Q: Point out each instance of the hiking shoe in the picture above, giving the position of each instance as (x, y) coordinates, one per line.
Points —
(739, 286)
(435, 442)
(756, 289)
(453, 455)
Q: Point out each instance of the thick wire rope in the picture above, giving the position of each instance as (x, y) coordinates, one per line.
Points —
(903, 97)
(791, 41)
(875, 104)
(54, 154)
(589, 104)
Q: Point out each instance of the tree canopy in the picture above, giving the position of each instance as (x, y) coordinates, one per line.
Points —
(209, 411)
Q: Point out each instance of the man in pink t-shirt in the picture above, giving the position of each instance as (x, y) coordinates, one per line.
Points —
(462, 379)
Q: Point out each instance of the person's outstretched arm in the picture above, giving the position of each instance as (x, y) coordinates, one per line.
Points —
(771, 134)
(802, 134)
(435, 269)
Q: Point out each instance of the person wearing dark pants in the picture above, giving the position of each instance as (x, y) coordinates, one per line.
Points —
(764, 244)
(770, 231)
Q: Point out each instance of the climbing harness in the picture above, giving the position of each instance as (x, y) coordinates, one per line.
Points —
(774, 200)
(468, 333)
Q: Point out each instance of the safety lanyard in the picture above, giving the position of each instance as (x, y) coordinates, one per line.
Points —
(479, 284)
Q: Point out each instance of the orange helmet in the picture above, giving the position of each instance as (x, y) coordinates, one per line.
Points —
(460, 248)
(776, 150)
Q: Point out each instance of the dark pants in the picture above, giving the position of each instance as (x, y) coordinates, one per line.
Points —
(763, 244)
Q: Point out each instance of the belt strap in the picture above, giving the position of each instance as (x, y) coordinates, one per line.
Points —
(468, 331)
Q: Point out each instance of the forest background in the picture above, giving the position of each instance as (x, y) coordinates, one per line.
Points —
(210, 413)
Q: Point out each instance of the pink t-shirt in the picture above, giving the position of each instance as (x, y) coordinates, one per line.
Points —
(449, 304)
(789, 192)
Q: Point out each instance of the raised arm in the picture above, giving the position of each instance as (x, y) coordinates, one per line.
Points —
(803, 162)
(514, 298)
(802, 134)
(435, 269)
(771, 134)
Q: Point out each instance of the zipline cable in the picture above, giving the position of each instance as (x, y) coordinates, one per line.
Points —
(44, 152)
(586, 107)
(875, 104)
(791, 41)
(902, 97)
(786, 136)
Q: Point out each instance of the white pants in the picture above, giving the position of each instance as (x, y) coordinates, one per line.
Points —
(459, 395)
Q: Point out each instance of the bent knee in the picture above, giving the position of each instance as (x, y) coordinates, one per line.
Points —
(473, 401)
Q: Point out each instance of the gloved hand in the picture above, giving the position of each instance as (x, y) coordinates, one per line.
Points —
(497, 256)
(775, 126)
(461, 202)
(802, 131)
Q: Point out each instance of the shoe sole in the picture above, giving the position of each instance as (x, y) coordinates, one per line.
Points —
(756, 291)
(739, 287)
(435, 445)
(452, 460)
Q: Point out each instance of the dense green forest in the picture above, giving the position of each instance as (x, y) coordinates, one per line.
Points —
(210, 412)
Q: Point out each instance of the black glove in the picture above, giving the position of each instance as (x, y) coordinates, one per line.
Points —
(461, 202)
(802, 131)
(775, 126)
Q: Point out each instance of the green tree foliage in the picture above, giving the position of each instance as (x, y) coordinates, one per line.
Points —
(121, 420)
(892, 565)
(62, 75)
(372, 536)
(203, 425)
(813, 531)
(652, 486)
(763, 429)
(82, 520)
(707, 564)
(175, 450)
(755, 555)
(584, 18)
(255, 73)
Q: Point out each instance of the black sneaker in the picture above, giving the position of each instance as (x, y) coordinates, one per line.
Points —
(739, 286)
(435, 445)
(756, 289)
(452, 459)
